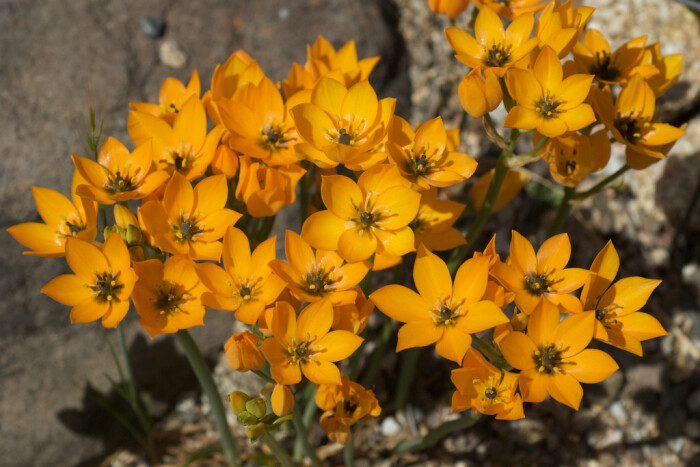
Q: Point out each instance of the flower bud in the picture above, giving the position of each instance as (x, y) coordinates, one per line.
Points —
(242, 352)
(256, 407)
(282, 400)
(237, 401)
(255, 431)
(480, 95)
(451, 8)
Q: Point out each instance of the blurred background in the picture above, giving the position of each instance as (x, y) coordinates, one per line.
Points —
(61, 57)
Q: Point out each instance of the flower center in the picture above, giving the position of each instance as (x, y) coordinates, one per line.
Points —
(446, 315)
(180, 159)
(300, 351)
(344, 137)
(548, 107)
(419, 166)
(629, 127)
(169, 299)
(419, 224)
(604, 69)
(548, 359)
(538, 285)
(498, 55)
(273, 137)
(186, 228)
(491, 391)
(107, 287)
(348, 130)
(119, 184)
(319, 282)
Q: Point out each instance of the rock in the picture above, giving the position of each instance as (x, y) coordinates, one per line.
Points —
(172, 55)
(693, 401)
(390, 427)
(152, 27)
(604, 438)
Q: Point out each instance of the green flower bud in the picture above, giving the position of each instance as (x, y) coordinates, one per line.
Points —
(257, 407)
(237, 401)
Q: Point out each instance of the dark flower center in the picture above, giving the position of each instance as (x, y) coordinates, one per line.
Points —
(548, 359)
(604, 69)
(318, 282)
(107, 287)
(537, 285)
(119, 184)
(548, 107)
(629, 127)
(344, 137)
(491, 392)
(169, 299)
(497, 55)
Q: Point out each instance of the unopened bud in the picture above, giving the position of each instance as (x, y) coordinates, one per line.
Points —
(255, 431)
(256, 407)
(237, 401)
(134, 236)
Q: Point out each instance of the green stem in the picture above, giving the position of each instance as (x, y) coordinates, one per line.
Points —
(103, 216)
(406, 373)
(201, 370)
(264, 376)
(127, 364)
(602, 184)
(306, 417)
(435, 435)
(303, 435)
(378, 355)
(491, 131)
(459, 253)
(264, 231)
(563, 212)
(278, 450)
(349, 451)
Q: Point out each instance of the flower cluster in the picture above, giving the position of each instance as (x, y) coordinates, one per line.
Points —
(187, 215)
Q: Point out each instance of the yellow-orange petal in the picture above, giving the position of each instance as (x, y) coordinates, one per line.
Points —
(432, 278)
(629, 294)
(641, 326)
(481, 316)
(533, 385)
(179, 195)
(286, 373)
(338, 345)
(565, 389)
(396, 243)
(323, 230)
(83, 258)
(357, 245)
(517, 349)
(603, 272)
(591, 366)
(340, 195)
(315, 320)
(282, 400)
(471, 279)
(453, 344)
(574, 332)
(401, 303)
(88, 311)
(522, 255)
(548, 71)
(67, 289)
(299, 254)
(418, 334)
(284, 322)
(321, 372)
(554, 254)
(568, 280)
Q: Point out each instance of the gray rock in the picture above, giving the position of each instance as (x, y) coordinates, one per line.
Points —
(152, 27)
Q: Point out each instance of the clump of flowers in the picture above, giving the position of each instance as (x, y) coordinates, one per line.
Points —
(195, 200)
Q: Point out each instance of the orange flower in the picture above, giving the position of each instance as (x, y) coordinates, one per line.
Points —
(572, 157)
(246, 284)
(545, 102)
(184, 147)
(484, 388)
(322, 60)
(242, 352)
(369, 216)
(618, 321)
(669, 69)
(189, 222)
(62, 218)
(172, 95)
(422, 156)
(492, 47)
(168, 296)
(342, 125)
(480, 92)
(631, 121)
(552, 358)
(355, 316)
(259, 123)
(513, 182)
(433, 225)
(560, 26)
(441, 313)
(282, 400)
(512, 8)
(312, 277)
(542, 277)
(343, 405)
(239, 69)
(264, 189)
(101, 285)
(593, 56)
(451, 8)
(304, 344)
(119, 175)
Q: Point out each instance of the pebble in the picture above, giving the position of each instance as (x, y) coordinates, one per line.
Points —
(172, 55)
(390, 427)
(691, 274)
(283, 13)
(693, 401)
(618, 412)
(152, 27)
